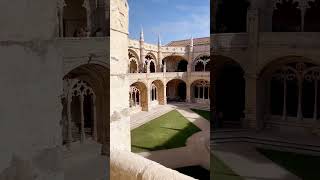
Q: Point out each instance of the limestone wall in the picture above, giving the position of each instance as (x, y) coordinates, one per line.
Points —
(30, 110)
(31, 85)
(125, 165)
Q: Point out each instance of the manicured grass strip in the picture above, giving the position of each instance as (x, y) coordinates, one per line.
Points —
(170, 130)
(196, 172)
(202, 113)
(304, 166)
(220, 171)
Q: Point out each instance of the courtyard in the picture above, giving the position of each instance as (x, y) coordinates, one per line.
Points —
(171, 135)
(170, 130)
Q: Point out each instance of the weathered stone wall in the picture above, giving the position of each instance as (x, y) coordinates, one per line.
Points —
(31, 84)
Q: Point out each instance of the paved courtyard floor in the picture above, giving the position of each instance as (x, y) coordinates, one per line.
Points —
(245, 161)
(84, 162)
(237, 149)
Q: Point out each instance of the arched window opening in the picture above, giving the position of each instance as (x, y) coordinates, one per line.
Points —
(82, 112)
(175, 63)
(133, 65)
(152, 67)
(294, 91)
(134, 96)
(201, 90)
(176, 90)
(207, 66)
(182, 66)
(286, 17)
(231, 16)
(312, 17)
(201, 63)
(75, 19)
(154, 95)
(150, 59)
(199, 67)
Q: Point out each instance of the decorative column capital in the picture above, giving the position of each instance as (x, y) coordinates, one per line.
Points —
(61, 4)
(251, 76)
(86, 4)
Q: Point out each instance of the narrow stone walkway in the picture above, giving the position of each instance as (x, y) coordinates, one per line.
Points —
(143, 117)
(245, 161)
(198, 144)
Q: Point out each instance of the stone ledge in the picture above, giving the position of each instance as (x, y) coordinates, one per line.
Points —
(125, 165)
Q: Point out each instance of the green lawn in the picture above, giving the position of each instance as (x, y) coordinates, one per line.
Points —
(168, 131)
(203, 113)
(304, 166)
(197, 172)
(220, 171)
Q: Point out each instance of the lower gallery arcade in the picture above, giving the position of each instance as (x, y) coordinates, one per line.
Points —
(143, 97)
(287, 94)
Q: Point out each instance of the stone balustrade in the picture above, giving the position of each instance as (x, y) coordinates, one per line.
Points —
(125, 165)
(229, 40)
(289, 39)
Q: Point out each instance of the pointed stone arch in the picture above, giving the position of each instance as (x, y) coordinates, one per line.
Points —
(143, 93)
(96, 77)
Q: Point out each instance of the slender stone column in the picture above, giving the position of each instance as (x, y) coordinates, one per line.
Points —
(148, 67)
(284, 110)
(164, 94)
(95, 124)
(61, 5)
(69, 138)
(299, 113)
(86, 5)
(315, 111)
(82, 118)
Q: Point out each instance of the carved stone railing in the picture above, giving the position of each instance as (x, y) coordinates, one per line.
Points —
(229, 40)
(125, 165)
(289, 39)
(200, 74)
(179, 50)
(168, 75)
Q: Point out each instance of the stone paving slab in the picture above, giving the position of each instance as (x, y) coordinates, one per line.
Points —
(244, 160)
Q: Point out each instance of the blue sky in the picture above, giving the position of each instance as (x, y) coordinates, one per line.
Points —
(173, 19)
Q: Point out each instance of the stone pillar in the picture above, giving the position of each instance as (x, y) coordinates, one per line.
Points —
(315, 111)
(250, 106)
(165, 93)
(94, 111)
(148, 96)
(188, 94)
(148, 67)
(69, 138)
(86, 5)
(82, 119)
(61, 5)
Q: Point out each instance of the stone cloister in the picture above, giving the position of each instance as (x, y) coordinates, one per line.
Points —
(168, 73)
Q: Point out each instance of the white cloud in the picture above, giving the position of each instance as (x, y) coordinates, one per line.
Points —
(196, 23)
